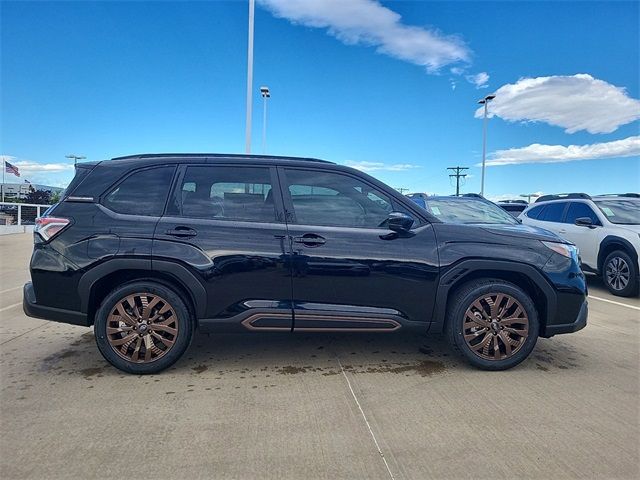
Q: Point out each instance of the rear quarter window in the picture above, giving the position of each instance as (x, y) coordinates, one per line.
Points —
(143, 192)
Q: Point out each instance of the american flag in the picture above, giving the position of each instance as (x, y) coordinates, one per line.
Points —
(11, 169)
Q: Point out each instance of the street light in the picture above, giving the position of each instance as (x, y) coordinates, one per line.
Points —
(529, 195)
(264, 91)
(484, 101)
(75, 158)
(252, 4)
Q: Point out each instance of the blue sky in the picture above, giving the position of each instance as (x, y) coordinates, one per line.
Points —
(384, 86)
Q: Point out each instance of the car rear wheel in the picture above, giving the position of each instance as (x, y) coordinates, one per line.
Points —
(493, 323)
(143, 327)
(620, 274)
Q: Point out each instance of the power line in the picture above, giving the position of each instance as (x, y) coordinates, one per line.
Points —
(402, 190)
(458, 175)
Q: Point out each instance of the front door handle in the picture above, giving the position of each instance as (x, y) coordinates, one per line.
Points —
(182, 232)
(310, 240)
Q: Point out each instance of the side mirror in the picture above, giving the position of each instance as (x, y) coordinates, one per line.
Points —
(399, 222)
(584, 222)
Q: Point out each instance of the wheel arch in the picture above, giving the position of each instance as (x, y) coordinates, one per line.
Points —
(611, 243)
(524, 276)
(96, 284)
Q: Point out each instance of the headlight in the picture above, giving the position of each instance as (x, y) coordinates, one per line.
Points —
(564, 249)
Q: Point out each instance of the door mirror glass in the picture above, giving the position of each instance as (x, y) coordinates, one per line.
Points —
(399, 222)
(584, 222)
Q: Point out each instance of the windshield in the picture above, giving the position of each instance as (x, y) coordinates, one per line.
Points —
(623, 212)
(452, 210)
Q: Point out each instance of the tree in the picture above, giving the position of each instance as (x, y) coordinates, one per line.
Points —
(39, 197)
(55, 197)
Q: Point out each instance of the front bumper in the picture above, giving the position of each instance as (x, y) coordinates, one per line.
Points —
(579, 323)
(33, 309)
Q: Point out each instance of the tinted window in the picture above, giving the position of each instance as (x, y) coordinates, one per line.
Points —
(553, 212)
(226, 193)
(580, 210)
(334, 199)
(141, 193)
(535, 211)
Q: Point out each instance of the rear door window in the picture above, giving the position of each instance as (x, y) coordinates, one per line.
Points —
(226, 193)
(142, 193)
(553, 212)
(535, 212)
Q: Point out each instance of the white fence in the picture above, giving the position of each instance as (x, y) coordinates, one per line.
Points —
(19, 217)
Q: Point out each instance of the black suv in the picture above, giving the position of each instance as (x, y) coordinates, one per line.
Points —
(148, 248)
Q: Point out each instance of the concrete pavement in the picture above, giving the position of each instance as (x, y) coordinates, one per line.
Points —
(288, 406)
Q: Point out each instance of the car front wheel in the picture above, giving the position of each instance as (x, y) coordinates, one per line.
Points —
(143, 327)
(493, 323)
(620, 274)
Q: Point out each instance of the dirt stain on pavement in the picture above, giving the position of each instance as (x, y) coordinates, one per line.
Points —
(200, 368)
(90, 372)
(291, 370)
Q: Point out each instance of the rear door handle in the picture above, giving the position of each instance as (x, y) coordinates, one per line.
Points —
(182, 232)
(310, 240)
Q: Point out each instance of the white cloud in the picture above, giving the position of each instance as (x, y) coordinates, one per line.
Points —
(367, 22)
(537, 153)
(511, 196)
(578, 102)
(379, 166)
(479, 80)
(53, 174)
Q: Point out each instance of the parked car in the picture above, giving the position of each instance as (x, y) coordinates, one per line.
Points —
(605, 228)
(465, 210)
(514, 207)
(148, 248)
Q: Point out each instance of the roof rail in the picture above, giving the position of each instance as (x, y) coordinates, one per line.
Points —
(627, 195)
(562, 196)
(472, 195)
(217, 155)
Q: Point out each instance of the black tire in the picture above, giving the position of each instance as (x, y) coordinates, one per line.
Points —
(620, 274)
(180, 318)
(504, 292)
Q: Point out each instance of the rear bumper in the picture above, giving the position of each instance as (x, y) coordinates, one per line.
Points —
(33, 309)
(579, 323)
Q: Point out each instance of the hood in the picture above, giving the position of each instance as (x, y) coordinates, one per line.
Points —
(524, 231)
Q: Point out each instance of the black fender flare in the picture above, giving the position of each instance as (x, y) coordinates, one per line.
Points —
(456, 276)
(613, 239)
(179, 272)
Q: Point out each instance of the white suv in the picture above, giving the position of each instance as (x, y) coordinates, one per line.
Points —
(606, 230)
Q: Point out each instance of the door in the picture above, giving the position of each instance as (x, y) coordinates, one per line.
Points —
(350, 271)
(587, 239)
(550, 217)
(226, 223)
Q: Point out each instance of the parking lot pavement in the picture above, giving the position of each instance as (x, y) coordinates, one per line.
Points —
(317, 406)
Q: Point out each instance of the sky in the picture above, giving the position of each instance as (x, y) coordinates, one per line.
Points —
(390, 88)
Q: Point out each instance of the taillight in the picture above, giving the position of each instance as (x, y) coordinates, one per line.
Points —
(49, 227)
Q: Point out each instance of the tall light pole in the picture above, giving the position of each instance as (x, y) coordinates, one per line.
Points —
(529, 195)
(264, 91)
(252, 6)
(75, 158)
(485, 101)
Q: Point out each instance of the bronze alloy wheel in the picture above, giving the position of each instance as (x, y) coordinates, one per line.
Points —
(495, 326)
(142, 327)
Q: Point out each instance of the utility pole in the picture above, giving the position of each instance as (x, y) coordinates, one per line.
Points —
(458, 175)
